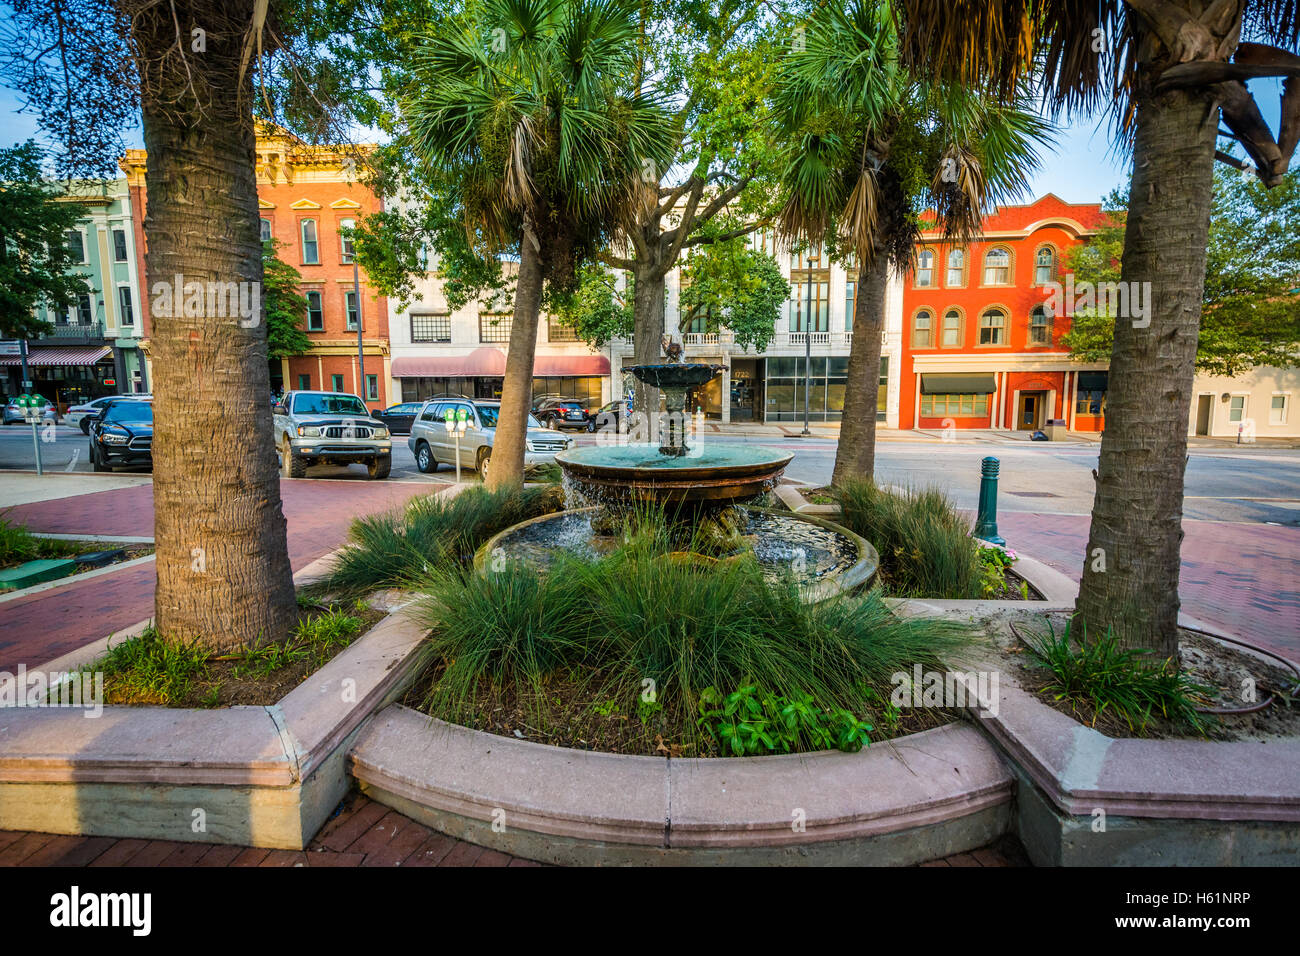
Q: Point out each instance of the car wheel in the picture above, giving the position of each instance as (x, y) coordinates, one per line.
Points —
(424, 459)
(482, 463)
(95, 463)
(379, 467)
(85, 426)
(591, 424)
(291, 465)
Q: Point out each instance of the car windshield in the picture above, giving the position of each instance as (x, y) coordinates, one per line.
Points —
(328, 405)
(488, 415)
(132, 412)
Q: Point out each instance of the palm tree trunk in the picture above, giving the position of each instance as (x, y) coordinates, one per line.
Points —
(647, 336)
(1130, 573)
(517, 389)
(222, 557)
(855, 456)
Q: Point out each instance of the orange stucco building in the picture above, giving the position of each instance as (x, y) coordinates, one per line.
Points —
(307, 195)
(981, 349)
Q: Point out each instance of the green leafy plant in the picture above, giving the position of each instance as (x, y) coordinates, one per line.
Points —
(748, 722)
(1098, 676)
(994, 565)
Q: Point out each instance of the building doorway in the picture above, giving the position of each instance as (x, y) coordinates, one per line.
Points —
(746, 390)
(1029, 411)
(1204, 403)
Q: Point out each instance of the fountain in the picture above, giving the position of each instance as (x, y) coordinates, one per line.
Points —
(701, 491)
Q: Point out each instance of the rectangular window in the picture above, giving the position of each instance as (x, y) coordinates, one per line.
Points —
(372, 388)
(1088, 401)
(558, 332)
(315, 312)
(850, 302)
(820, 295)
(304, 383)
(124, 305)
(1277, 410)
(955, 406)
(85, 315)
(992, 328)
(1236, 408)
(310, 246)
(119, 245)
(345, 240)
(336, 383)
(495, 326)
(266, 230)
(956, 268)
(76, 247)
(1040, 327)
(350, 300)
(426, 327)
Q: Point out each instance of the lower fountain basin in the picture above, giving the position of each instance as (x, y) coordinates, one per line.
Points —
(825, 559)
(638, 472)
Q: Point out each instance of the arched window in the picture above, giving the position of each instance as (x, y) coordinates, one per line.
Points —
(1044, 266)
(950, 337)
(924, 269)
(923, 330)
(993, 327)
(1040, 326)
(956, 268)
(997, 267)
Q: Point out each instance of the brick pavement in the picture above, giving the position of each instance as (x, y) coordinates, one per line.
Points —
(1244, 578)
(364, 833)
(43, 626)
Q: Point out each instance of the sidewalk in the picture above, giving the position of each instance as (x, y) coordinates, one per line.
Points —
(43, 626)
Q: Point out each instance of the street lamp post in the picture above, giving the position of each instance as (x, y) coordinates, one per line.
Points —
(361, 351)
(807, 353)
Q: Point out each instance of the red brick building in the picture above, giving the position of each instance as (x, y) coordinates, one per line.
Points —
(307, 195)
(980, 348)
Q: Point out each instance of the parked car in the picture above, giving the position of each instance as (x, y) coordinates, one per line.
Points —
(611, 416)
(81, 415)
(334, 427)
(122, 434)
(398, 418)
(14, 414)
(433, 445)
(562, 413)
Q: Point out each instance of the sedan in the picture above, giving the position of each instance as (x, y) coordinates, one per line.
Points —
(82, 414)
(399, 418)
(13, 412)
(122, 435)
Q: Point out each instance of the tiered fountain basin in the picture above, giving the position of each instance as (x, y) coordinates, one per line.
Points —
(823, 558)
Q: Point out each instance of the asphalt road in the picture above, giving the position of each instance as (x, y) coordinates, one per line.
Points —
(1255, 485)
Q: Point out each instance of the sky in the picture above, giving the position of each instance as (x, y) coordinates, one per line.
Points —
(1082, 168)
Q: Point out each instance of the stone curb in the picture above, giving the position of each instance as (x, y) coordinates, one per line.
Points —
(597, 807)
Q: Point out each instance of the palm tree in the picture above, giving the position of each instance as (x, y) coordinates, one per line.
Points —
(528, 106)
(1173, 70)
(870, 148)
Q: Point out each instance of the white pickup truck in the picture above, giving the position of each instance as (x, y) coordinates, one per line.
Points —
(316, 427)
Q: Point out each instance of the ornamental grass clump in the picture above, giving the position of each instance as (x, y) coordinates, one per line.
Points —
(925, 546)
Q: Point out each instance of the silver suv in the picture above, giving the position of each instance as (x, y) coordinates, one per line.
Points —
(315, 427)
(433, 445)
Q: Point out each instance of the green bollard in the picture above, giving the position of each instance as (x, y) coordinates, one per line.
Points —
(986, 521)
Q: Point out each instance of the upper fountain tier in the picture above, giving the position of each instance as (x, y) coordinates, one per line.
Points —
(674, 374)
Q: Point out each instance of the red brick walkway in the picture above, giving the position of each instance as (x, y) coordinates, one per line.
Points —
(1244, 578)
(43, 626)
(364, 834)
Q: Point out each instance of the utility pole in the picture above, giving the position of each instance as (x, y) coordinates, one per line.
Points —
(807, 351)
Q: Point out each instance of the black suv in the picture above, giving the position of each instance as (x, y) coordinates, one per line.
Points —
(563, 413)
(122, 434)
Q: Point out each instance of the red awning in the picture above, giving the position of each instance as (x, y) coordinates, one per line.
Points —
(39, 357)
(545, 366)
(482, 361)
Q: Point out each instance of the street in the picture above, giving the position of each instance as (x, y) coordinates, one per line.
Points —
(1252, 485)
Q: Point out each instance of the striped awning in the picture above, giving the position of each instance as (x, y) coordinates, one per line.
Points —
(47, 356)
